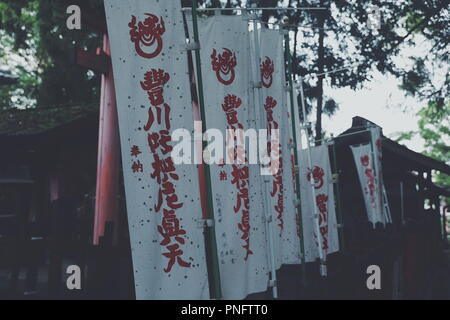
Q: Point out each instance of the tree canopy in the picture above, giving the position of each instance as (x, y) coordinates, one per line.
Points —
(36, 46)
(333, 47)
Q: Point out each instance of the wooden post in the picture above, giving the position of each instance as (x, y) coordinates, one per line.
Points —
(108, 165)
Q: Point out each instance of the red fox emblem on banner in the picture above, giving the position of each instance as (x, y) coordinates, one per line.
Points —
(224, 64)
(146, 36)
(267, 70)
(365, 160)
(317, 175)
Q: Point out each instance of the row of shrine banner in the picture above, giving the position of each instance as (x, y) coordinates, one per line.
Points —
(150, 64)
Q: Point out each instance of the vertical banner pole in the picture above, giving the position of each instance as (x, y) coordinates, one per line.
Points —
(296, 159)
(210, 235)
(444, 224)
(402, 203)
(384, 204)
(323, 258)
(259, 103)
(338, 200)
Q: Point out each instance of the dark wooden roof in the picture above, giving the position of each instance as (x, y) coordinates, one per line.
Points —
(24, 131)
(29, 122)
(420, 159)
(414, 158)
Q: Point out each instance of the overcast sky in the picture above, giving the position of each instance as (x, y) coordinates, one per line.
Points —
(382, 102)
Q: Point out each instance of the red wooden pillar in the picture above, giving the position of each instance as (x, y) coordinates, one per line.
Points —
(108, 165)
(200, 167)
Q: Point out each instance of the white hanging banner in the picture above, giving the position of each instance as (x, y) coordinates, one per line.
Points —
(154, 99)
(275, 109)
(320, 176)
(370, 184)
(378, 153)
(376, 138)
(240, 229)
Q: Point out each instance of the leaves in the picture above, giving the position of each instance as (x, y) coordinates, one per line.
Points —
(434, 128)
(32, 28)
(35, 34)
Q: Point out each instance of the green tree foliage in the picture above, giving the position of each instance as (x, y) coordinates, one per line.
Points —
(35, 34)
(324, 41)
(428, 78)
(75, 84)
(434, 128)
(340, 39)
(19, 35)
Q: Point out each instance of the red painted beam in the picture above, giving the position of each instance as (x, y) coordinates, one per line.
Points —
(97, 62)
(108, 167)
